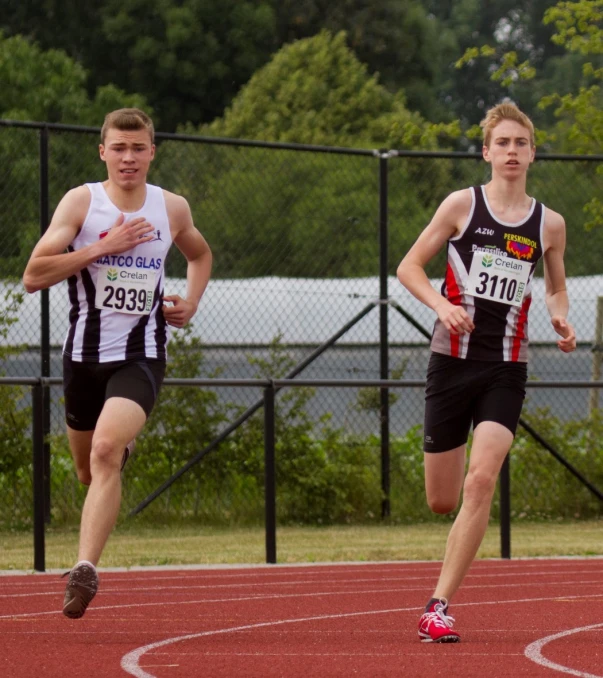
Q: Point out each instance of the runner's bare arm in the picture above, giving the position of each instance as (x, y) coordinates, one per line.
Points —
(198, 255)
(448, 220)
(49, 264)
(556, 298)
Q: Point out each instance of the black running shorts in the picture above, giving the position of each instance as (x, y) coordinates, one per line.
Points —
(461, 392)
(88, 385)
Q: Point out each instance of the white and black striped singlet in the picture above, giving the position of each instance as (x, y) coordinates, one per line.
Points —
(102, 335)
(501, 329)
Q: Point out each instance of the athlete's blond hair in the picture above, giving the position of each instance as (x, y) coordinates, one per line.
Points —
(127, 119)
(505, 111)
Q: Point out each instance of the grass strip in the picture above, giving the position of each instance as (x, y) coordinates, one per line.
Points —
(137, 545)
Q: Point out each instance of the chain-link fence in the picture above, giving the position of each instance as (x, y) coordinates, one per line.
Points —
(306, 242)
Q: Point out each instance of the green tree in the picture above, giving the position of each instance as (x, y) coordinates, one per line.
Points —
(187, 57)
(44, 86)
(580, 127)
(317, 91)
(399, 41)
(190, 57)
(69, 25)
(49, 86)
(312, 91)
(509, 25)
(579, 112)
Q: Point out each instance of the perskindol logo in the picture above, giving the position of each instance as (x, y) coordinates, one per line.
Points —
(487, 260)
(520, 246)
(111, 274)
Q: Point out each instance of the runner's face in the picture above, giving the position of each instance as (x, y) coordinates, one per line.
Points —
(128, 155)
(510, 151)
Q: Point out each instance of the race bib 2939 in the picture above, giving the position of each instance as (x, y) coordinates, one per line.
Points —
(125, 290)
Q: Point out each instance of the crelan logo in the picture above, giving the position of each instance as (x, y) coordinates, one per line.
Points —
(487, 260)
(112, 274)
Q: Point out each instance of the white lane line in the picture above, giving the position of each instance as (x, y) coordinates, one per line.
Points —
(131, 661)
(237, 599)
(170, 623)
(259, 597)
(534, 652)
(206, 571)
(168, 590)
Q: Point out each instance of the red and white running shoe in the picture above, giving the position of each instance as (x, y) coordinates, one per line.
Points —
(435, 626)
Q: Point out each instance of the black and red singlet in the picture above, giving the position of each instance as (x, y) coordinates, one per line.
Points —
(489, 273)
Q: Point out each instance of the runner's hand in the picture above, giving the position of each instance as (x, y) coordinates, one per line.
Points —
(180, 312)
(125, 235)
(455, 318)
(563, 328)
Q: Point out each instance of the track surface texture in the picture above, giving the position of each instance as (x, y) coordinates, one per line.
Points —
(516, 618)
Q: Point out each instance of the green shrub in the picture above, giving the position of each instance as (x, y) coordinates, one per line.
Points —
(324, 474)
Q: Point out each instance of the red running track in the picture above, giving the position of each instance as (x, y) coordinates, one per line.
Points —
(516, 618)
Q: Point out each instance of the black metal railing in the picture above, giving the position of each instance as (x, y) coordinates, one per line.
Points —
(270, 389)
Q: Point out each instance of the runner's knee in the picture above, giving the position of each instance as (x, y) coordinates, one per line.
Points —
(105, 453)
(441, 504)
(479, 486)
(83, 475)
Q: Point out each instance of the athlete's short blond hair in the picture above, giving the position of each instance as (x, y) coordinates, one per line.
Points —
(505, 111)
(127, 119)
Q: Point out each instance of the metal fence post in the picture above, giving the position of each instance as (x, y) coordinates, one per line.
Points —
(505, 509)
(384, 333)
(270, 473)
(38, 479)
(45, 320)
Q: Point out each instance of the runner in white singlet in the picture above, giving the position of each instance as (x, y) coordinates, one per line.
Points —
(117, 234)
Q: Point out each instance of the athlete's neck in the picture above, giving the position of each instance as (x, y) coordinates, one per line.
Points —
(130, 200)
(508, 197)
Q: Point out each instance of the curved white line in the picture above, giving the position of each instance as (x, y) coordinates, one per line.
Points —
(533, 652)
(129, 662)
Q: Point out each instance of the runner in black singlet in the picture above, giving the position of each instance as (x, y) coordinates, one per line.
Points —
(477, 371)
